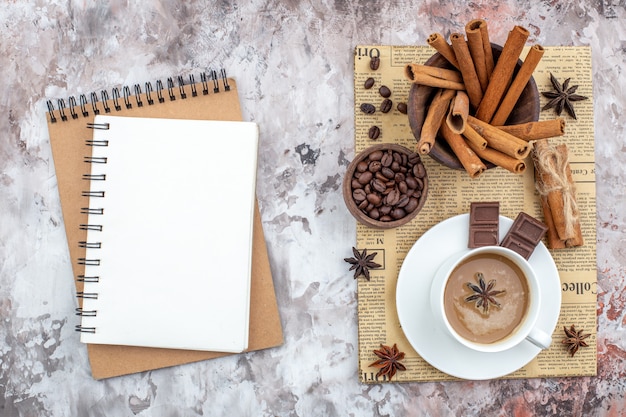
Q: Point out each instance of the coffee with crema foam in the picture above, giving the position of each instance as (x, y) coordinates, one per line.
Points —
(470, 321)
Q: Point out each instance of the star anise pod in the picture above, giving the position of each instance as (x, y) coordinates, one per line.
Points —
(562, 97)
(362, 263)
(483, 294)
(574, 339)
(389, 361)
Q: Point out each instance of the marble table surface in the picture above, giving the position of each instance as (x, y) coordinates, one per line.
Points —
(293, 64)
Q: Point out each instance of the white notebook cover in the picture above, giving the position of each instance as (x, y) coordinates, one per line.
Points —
(174, 259)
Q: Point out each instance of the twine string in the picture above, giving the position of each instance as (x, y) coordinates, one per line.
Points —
(555, 166)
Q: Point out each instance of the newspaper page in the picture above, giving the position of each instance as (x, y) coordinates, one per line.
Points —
(450, 194)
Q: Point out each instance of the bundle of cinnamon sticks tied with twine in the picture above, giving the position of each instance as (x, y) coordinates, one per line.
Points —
(469, 110)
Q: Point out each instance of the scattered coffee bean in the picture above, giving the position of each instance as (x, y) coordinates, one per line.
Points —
(402, 108)
(374, 132)
(374, 63)
(368, 108)
(386, 105)
(384, 91)
(369, 83)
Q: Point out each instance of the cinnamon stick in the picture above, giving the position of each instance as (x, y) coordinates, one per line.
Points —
(577, 238)
(484, 31)
(554, 183)
(458, 113)
(542, 129)
(502, 73)
(434, 116)
(474, 137)
(517, 86)
(514, 165)
(466, 66)
(434, 76)
(500, 140)
(437, 41)
(553, 241)
(475, 44)
(468, 158)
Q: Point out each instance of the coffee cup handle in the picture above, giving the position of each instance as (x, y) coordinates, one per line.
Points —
(539, 338)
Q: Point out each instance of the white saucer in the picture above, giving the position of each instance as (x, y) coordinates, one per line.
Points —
(432, 343)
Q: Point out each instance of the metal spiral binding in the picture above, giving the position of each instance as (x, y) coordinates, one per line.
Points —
(86, 313)
(126, 98)
(84, 329)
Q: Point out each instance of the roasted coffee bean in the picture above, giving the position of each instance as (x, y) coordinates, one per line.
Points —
(386, 160)
(395, 166)
(365, 177)
(411, 205)
(403, 201)
(419, 171)
(380, 176)
(363, 205)
(356, 184)
(374, 132)
(402, 108)
(362, 166)
(369, 83)
(393, 197)
(414, 158)
(420, 183)
(411, 182)
(384, 91)
(374, 213)
(376, 155)
(378, 185)
(387, 172)
(375, 166)
(397, 213)
(368, 108)
(375, 199)
(359, 195)
(386, 218)
(403, 187)
(399, 177)
(374, 63)
(385, 210)
(386, 105)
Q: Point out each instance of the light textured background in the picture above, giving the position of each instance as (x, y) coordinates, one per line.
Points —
(293, 64)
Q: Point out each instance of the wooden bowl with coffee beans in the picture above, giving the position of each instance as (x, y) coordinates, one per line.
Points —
(385, 186)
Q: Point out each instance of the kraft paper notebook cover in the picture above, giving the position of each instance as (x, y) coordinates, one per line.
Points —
(169, 239)
(210, 99)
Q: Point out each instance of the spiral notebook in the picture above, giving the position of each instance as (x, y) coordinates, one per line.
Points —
(169, 233)
(213, 98)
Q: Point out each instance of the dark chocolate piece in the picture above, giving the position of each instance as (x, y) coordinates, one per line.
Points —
(483, 224)
(524, 235)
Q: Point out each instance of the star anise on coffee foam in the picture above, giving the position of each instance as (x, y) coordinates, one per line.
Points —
(483, 294)
(574, 339)
(362, 263)
(562, 97)
(389, 362)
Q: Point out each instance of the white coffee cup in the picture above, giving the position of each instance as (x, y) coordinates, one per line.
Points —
(526, 330)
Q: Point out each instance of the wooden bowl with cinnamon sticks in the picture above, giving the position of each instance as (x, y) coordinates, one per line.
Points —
(421, 97)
